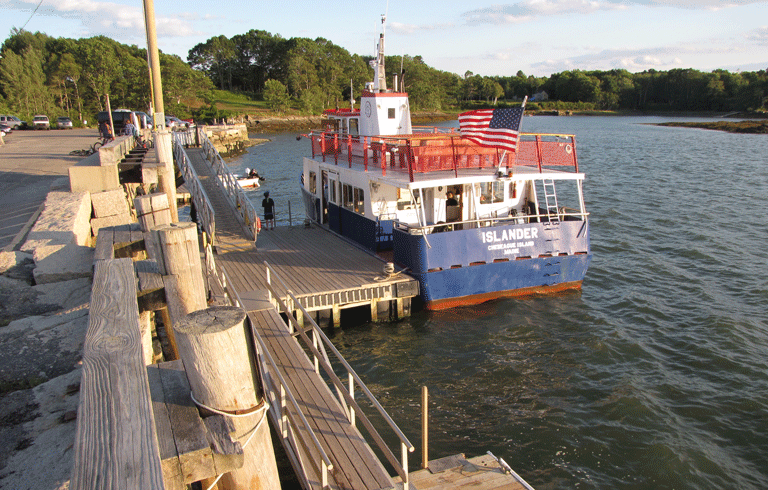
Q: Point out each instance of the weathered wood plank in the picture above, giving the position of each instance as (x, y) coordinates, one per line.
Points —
(115, 443)
(172, 475)
(105, 244)
(189, 434)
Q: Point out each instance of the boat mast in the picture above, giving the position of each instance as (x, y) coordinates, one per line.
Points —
(378, 65)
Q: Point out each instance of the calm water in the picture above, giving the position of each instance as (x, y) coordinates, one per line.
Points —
(654, 376)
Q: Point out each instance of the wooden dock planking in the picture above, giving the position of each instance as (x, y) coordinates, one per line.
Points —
(480, 473)
(355, 465)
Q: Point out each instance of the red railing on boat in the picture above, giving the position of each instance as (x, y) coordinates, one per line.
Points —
(431, 152)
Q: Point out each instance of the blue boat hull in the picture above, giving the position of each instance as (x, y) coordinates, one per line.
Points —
(469, 266)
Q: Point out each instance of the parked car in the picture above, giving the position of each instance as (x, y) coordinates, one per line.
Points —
(13, 121)
(41, 122)
(144, 118)
(64, 123)
(173, 122)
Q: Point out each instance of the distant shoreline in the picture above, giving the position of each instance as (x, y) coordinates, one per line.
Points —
(753, 122)
(746, 127)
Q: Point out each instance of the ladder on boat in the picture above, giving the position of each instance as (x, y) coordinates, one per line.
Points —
(550, 198)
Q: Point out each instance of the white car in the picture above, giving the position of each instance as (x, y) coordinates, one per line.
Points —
(64, 123)
(41, 122)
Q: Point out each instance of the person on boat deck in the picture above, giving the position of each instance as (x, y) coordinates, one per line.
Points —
(253, 174)
(450, 200)
(269, 211)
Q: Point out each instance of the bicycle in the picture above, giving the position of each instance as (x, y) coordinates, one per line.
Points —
(92, 149)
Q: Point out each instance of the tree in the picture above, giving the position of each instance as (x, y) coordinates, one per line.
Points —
(276, 95)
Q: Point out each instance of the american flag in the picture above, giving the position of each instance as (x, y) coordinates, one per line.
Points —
(497, 128)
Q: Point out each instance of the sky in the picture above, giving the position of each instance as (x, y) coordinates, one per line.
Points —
(538, 37)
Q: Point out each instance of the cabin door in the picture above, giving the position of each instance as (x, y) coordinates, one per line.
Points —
(329, 182)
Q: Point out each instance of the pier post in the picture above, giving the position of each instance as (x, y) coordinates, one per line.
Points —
(152, 210)
(180, 265)
(166, 175)
(219, 362)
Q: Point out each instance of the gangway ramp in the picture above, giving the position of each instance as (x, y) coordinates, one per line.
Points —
(316, 427)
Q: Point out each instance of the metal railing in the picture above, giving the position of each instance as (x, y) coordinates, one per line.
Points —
(203, 205)
(318, 346)
(487, 221)
(234, 192)
(284, 409)
(423, 152)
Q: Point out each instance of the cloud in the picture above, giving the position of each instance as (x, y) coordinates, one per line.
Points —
(528, 10)
(636, 60)
(412, 28)
(760, 35)
(122, 22)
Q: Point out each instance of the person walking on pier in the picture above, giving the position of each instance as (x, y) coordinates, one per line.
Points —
(269, 211)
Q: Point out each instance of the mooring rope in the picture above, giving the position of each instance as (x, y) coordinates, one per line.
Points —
(263, 406)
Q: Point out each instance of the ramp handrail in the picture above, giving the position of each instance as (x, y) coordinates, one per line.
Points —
(234, 192)
(200, 197)
(290, 429)
(317, 345)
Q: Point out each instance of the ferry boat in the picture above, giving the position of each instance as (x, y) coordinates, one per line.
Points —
(473, 215)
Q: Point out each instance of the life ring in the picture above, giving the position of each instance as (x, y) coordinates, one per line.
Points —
(258, 224)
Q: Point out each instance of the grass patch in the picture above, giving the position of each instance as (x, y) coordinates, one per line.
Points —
(238, 103)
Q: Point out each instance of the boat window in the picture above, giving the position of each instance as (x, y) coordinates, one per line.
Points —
(513, 190)
(354, 198)
(312, 182)
(491, 192)
(391, 112)
(353, 127)
(332, 193)
(359, 200)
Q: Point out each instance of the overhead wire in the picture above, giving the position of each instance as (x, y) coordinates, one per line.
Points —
(33, 14)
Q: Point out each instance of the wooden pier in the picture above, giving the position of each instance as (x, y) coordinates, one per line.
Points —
(279, 279)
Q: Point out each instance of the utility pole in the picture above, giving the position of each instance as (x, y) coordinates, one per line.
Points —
(154, 64)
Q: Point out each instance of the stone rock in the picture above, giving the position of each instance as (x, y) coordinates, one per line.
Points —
(120, 219)
(60, 184)
(109, 203)
(54, 263)
(65, 219)
(18, 299)
(38, 436)
(64, 295)
(13, 260)
(38, 348)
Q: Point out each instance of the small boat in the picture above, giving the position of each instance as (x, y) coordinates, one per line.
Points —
(246, 181)
(475, 214)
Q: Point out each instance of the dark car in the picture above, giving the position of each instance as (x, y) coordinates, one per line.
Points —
(118, 117)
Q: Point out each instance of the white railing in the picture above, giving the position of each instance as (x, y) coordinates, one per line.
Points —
(234, 192)
(318, 345)
(202, 203)
(284, 409)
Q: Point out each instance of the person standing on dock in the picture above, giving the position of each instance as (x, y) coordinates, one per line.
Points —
(269, 211)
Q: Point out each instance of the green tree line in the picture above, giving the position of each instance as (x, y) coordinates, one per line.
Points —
(40, 74)
(316, 74)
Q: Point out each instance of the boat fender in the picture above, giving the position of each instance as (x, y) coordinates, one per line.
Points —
(258, 224)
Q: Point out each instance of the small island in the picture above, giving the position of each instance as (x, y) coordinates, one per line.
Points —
(751, 126)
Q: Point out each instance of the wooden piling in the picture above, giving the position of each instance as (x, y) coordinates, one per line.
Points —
(179, 263)
(214, 347)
